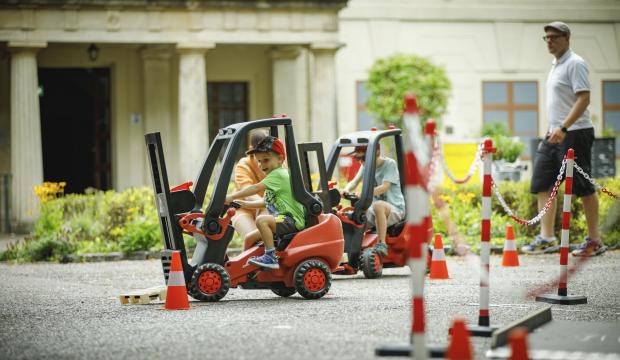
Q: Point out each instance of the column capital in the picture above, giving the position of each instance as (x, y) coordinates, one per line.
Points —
(19, 46)
(289, 52)
(156, 52)
(331, 46)
(194, 47)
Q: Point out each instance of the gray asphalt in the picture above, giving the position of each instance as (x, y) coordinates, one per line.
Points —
(72, 311)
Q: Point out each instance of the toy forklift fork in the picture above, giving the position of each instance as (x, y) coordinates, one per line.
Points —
(168, 204)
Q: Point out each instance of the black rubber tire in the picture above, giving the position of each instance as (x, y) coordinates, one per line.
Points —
(199, 293)
(283, 291)
(309, 267)
(371, 263)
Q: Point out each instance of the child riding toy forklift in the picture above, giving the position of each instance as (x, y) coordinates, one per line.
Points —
(306, 258)
(361, 242)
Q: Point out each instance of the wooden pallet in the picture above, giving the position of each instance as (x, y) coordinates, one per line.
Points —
(144, 296)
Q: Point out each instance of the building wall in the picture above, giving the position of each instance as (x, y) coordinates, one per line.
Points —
(475, 41)
(5, 115)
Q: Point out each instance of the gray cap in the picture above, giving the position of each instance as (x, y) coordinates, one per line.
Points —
(559, 26)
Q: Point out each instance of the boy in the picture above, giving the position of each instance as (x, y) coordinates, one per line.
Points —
(286, 215)
(388, 206)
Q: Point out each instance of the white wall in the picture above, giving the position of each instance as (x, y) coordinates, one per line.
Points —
(473, 48)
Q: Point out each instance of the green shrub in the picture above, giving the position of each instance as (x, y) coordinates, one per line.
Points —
(141, 234)
(389, 79)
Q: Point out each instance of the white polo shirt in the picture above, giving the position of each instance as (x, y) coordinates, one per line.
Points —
(568, 76)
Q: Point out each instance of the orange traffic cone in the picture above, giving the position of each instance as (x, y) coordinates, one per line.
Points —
(518, 344)
(460, 346)
(439, 268)
(510, 256)
(176, 297)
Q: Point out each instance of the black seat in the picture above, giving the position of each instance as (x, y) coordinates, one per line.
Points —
(396, 229)
(284, 240)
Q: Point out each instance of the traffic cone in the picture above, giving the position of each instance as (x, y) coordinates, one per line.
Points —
(460, 346)
(176, 297)
(510, 256)
(439, 268)
(518, 344)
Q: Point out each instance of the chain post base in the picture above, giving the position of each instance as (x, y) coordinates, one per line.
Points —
(405, 349)
(562, 300)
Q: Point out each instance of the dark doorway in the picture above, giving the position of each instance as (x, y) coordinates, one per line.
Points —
(75, 127)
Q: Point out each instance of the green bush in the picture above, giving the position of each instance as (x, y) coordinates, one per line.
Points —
(391, 78)
(507, 148)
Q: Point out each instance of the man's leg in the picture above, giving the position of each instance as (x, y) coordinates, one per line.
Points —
(547, 223)
(590, 208)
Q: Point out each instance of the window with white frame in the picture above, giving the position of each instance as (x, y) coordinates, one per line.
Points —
(364, 119)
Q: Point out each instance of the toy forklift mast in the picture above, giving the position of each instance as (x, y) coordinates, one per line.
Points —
(212, 234)
(354, 231)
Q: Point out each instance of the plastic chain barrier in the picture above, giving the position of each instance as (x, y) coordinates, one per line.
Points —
(594, 183)
(472, 167)
(543, 211)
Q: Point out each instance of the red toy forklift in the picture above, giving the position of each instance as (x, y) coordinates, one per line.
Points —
(359, 241)
(307, 258)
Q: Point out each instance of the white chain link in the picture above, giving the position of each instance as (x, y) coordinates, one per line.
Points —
(585, 175)
(472, 168)
(542, 212)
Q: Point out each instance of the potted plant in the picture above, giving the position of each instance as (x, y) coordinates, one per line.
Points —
(505, 165)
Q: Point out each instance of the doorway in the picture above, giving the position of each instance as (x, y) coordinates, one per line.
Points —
(75, 127)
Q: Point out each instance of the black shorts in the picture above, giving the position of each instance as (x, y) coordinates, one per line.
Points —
(284, 225)
(549, 160)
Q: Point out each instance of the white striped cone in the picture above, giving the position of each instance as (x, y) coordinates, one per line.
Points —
(176, 294)
(510, 257)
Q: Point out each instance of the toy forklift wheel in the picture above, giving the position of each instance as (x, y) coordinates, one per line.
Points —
(210, 282)
(283, 291)
(371, 263)
(312, 279)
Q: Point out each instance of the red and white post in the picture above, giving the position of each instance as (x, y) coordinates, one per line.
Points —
(562, 297)
(483, 328)
(416, 232)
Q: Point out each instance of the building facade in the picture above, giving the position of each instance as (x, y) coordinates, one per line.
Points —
(82, 81)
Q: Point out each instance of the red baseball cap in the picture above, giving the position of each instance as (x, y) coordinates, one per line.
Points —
(269, 143)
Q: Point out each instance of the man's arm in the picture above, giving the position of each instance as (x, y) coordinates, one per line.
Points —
(251, 204)
(248, 191)
(580, 105)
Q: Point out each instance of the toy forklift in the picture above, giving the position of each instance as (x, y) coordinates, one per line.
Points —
(360, 241)
(307, 258)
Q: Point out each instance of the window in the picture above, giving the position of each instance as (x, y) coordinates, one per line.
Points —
(364, 120)
(514, 104)
(227, 104)
(611, 109)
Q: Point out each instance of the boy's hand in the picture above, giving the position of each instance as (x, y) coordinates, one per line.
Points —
(228, 199)
(242, 203)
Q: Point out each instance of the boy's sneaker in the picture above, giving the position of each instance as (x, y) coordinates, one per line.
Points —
(382, 248)
(267, 261)
(541, 245)
(590, 248)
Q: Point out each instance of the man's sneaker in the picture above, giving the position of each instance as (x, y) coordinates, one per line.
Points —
(267, 261)
(541, 245)
(382, 248)
(590, 248)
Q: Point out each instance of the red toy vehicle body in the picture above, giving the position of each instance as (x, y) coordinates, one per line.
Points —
(306, 258)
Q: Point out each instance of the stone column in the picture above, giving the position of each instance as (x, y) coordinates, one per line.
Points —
(193, 123)
(157, 101)
(324, 125)
(26, 148)
(290, 87)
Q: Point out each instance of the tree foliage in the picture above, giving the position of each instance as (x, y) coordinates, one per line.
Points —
(392, 77)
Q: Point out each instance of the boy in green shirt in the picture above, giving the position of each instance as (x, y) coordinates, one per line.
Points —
(286, 215)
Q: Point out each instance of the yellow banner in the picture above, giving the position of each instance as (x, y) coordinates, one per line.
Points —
(459, 158)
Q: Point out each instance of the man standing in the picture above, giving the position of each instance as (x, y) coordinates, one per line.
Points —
(570, 126)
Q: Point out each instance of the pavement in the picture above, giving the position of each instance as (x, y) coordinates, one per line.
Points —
(72, 311)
